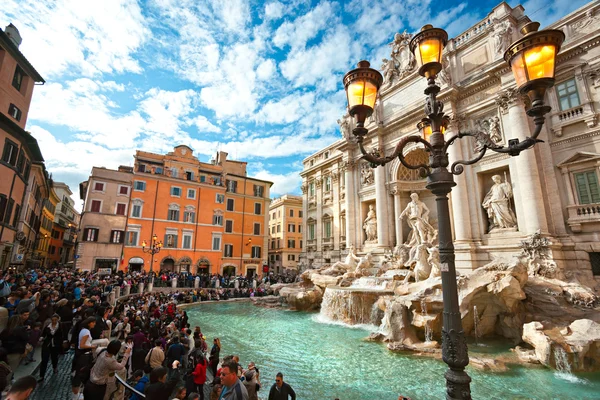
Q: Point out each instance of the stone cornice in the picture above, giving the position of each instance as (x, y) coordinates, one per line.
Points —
(575, 138)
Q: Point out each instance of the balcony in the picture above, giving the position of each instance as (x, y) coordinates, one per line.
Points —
(582, 214)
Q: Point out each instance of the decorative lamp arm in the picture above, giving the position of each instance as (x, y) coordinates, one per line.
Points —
(398, 152)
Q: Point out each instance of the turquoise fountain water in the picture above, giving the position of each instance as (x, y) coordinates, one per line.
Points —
(327, 361)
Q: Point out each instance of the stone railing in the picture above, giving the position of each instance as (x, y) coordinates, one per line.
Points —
(581, 214)
(570, 113)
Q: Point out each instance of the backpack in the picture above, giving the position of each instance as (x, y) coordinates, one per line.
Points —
(4, 288)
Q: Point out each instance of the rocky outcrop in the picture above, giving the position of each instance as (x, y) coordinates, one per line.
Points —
(579, 342)
(301, 298)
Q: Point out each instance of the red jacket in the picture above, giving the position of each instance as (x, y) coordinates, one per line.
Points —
(200, 374)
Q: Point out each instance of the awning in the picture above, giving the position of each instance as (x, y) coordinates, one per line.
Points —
(136, 260)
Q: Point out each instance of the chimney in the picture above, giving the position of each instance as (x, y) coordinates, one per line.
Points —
(221, 157)
(13, 34)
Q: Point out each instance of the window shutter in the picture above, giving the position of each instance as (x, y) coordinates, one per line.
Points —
(96, 233)
(121, 237)
(593, 187)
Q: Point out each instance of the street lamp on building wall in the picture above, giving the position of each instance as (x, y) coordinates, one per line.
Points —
(154, 248)
(532, 60)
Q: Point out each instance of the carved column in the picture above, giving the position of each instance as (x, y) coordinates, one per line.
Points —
(460, 198)
(397, 220)
(304, 188)
(350, 206)
(319, 217)
(524, 174)
(335, 227)
(381, 208)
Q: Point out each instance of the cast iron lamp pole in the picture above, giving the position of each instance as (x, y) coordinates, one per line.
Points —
(532, 59)
(154, 248)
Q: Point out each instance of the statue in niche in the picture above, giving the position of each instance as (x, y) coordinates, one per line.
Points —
(490, 127)
(497, 204)
(417, 215)
(502, 35)
(494, 130)
(370, 226)
(366, 175)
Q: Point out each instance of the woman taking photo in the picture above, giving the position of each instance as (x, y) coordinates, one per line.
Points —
(51, 345)
(106, 365)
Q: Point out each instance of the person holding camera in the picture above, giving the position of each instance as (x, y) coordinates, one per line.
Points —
(105, 366)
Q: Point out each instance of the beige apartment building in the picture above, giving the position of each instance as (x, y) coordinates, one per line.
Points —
(106, 196)
(285, 233)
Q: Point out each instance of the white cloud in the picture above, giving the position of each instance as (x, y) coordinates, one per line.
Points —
(274, 10)
(203, 124)
(287, 110)
(79, 37)
(282, 183)
(165, 110)
(305, 27)
(266, 70)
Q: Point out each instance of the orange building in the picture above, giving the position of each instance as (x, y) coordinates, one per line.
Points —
(210, 217)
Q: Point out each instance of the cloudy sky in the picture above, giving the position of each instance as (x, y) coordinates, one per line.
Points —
(258, 79)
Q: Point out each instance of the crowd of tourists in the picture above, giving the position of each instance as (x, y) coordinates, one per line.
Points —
(145, 340)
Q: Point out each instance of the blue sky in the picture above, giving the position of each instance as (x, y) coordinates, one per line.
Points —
(258, 79)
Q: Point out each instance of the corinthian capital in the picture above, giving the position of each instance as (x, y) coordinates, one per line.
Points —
(510, 97)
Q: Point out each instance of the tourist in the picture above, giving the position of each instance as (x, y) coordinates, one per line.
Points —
(14, 341)
(215, 394)
(233, 389)
(51, 345)
(251, 384)
(21, 389)
(5, 371)
(139, 379)
(281, 390)
(180, 393)
(32, 341)
(105, 366)
(176, 351)
(83, 355)
(199, 373)
(156, 356)
(214, 356)
(159, 388)
(193, 396)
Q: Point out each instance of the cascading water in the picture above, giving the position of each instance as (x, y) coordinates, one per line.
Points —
(562, 360)
(476, 322)
(428, 333)
(349, 305)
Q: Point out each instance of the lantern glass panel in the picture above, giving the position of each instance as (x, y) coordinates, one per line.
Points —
(518, 67)
(430, 50)
(540, 61)
(356, 91)
(370, 94)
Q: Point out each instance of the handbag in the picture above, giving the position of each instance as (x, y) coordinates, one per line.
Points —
(149, 357)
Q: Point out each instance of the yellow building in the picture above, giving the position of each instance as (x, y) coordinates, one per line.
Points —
(44, 235)
(285, 233)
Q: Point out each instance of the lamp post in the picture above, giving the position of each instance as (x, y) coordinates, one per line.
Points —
(532, 59)
(154, 248)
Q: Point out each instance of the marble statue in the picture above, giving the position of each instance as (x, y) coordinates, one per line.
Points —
(502, 35)
(422, 268)
(494, 129)
(366, 175)
(365, 262)
(417, 215)
(434, 260)
(444, 75)
(403, 58)
(348, 265)
(497, 204)
(389, 71)
(344, 124)
(370, 226)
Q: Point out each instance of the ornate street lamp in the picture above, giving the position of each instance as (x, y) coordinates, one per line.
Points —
(154, 248)
(532, 59)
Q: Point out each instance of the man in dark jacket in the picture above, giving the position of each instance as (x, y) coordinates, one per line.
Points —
(159, 388)
(281, 390)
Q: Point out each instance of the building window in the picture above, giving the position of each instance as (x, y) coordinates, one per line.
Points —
(16, 217)
(132, 238)
(327, 228)
(141, 168)
(291, 257)
(258, 190)
(170, 240)
(257, 208)
(139, 186)
(228, 250)
(328, 184)
(595, 261)
(231, 186)
(136, 212)
(299, 214)
(256, 251)
(120, 210)
(21, 161)
(292, 213)
(218, 220)
(8, 212)
(272, 244)
(278, 228)
(202, 178)
(299, 228)
(191, 193)
(568, 97)
(311, 232)
(175, 191)
(230, 205)
(116, 236)
(174, 172)
(96, 206)
(90, 234)
(216, 243)
(99, 186)
(189, 216)
(189, 175)
(18, 78)
(14, 112)
(300, 243)
(311, 189)
(291, 243)
(220, 198)
(273, 229)
(158, 170)
(11, 150)
(187, 242)
(229, 226)
(257, 229)
(173, 214)
(291, 228)
(587, 187)
(123, 190)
